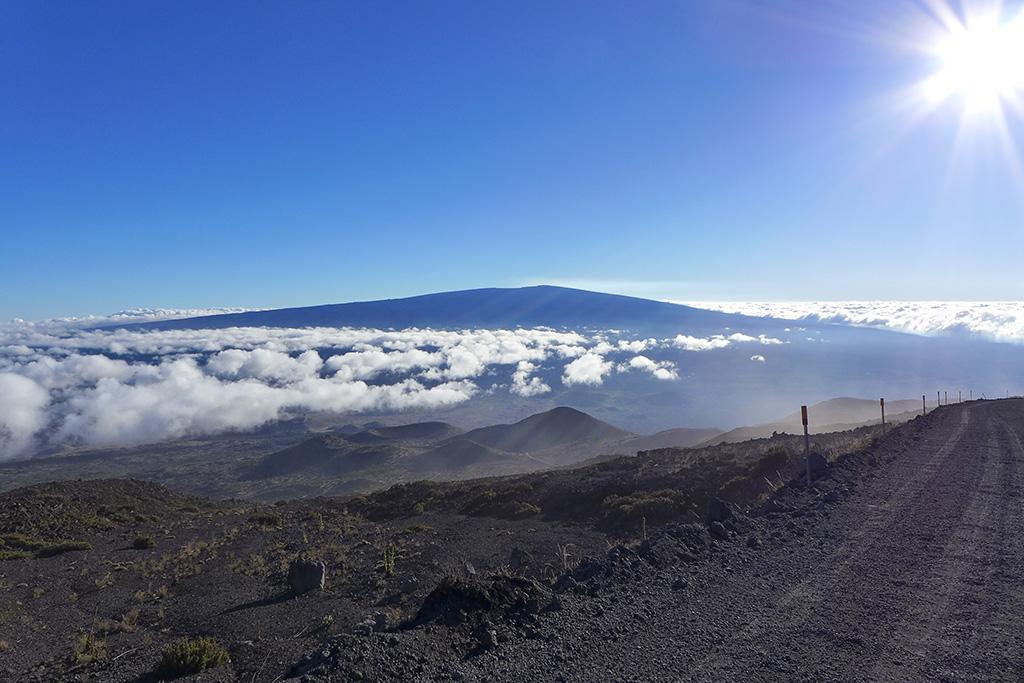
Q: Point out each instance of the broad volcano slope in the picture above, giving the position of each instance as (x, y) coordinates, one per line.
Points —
(904, 563)
(543, 305)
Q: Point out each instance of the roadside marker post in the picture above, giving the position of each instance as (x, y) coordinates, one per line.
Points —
(882, 402)
(924, 406)
(959, 397)
(938, 399)
(945, 398)
(807, 444)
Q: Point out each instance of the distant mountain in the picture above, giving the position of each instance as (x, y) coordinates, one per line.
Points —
(441, 450)
(836, 414)
(468, 458)
(682, 437)
(418, 431)
(849, 410)
(551, 429)
(542, 305)
(327, 455)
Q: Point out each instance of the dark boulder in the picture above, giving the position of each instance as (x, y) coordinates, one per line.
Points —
(519, 559)
(818, 464)
(306, 575)
(718, 510)
(486, 636)
(456, 599)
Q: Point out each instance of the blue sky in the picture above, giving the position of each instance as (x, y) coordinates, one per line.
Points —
(269, 154)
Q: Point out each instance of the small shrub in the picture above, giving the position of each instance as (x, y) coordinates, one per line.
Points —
(129, 620)
(99, 522)
(522, 510)
(88, 649)
(773, 460)
(481, 504)
(23, 542)
(389, 555)
(63, 547)
(15, 555)
(419, 508)
(652, 506)
(143, 543)
(271, 519)
(22, 546)
(189, 656)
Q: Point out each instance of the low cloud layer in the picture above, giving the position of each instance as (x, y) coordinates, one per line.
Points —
(68, 382)
(995, 321)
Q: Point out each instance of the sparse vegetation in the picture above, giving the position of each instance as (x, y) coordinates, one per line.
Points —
(21, 546)
(88, 648)
(130, 620)
(389, 556)
(267, 519)
(188, 656)
(647, 506)
(15, 554)
(525, 510)
(143, 542)
(63, 547)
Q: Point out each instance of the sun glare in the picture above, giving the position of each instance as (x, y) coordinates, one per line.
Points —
(981, 62)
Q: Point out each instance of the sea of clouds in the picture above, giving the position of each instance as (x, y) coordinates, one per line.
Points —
(1001, 321)
(70, 382)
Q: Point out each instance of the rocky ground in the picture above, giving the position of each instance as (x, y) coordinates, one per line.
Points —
(901, 562)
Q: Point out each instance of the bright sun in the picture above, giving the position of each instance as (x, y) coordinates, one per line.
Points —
(982, 62)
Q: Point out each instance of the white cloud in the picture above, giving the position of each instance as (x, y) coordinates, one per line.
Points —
(757, 358)
(265, 365)
(22, 413)
(663, 370)
(719, 341)
(370, 362)
(525, 385)
(635, 345)
(182, 400)
(590, 368)
(994, 320)
(688, 343)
